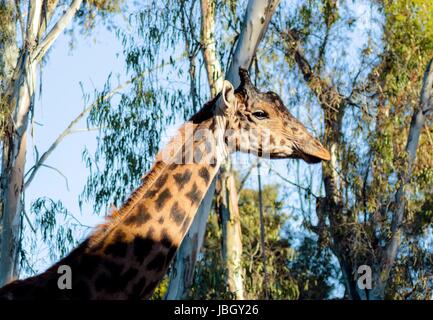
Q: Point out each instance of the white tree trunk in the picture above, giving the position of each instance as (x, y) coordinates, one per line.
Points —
(256, 21)
(20, 98)
(14, 149)
(8, 60)
(213, 66)
(257, 17)
(228, 209)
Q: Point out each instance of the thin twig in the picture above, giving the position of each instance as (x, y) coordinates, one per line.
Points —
(308, 190)
(85, 130)
(245, 178)
(59, 172)
(58, 28)
(28, 221)
(262, 235)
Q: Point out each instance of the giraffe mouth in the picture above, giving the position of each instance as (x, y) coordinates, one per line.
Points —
(310, 159)
(312, 153)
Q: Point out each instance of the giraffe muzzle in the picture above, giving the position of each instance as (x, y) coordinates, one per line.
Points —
(312, 152)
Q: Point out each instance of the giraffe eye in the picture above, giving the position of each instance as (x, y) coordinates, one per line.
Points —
(259, 114)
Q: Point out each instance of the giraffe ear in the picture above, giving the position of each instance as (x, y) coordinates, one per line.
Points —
(228, 95)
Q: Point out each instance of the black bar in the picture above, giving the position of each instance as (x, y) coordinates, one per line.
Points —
(159, 310)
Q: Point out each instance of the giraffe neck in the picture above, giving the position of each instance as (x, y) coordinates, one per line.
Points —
(148, 236)
(127, 257)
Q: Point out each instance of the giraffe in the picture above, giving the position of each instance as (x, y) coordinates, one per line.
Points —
(127, 256)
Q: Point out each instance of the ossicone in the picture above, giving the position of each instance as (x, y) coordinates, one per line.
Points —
(245, 79)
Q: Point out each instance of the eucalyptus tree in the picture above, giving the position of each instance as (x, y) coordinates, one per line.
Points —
(375, 104)
(31, 28)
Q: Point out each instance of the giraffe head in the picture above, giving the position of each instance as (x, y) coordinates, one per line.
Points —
(259, 123)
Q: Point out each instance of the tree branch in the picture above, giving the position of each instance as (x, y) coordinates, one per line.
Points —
(48, 9)
(20, 18)
(59, 172)
(327, 95)
(257, 18)
(306, 189)
(69, 130)
(33, 21)
(192, 50)
(245, 178)
(58, 28)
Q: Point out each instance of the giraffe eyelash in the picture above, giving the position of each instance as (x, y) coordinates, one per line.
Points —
(260, 114)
